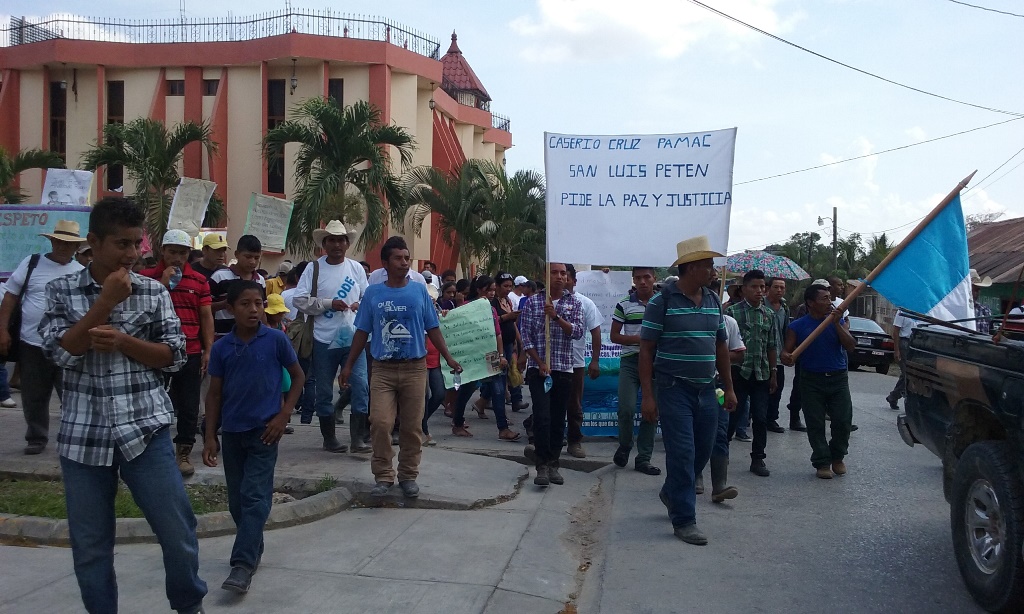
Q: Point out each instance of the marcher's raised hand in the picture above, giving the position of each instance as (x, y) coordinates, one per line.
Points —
(649, 410)
(116, 287)
(210, 451)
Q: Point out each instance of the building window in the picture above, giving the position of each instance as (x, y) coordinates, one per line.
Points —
(115, 115)
(210, 87)
(175, 87)
(336, 89)
(275, 116)
(59, 118)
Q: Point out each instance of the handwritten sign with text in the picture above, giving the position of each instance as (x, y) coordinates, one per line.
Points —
(608, 190)
(469, 333)
(606, 290)
(67, 187)
(191, 199)
(268, 220)
(21, 225)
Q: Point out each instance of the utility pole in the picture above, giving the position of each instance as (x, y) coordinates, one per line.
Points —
(835, 240)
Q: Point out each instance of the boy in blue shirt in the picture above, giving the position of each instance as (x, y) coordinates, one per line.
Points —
(398, 314)
(246, 370)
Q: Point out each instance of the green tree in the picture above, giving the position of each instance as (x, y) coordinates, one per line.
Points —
(878, 247)
(151, 152)
(340, 147)
(12, 166)
(514, 229)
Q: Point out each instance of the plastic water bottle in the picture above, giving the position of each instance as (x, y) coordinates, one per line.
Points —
(176, 277)
(721, 396)
(456, 381)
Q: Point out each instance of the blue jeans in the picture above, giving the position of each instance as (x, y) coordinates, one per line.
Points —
(488, 390)
(5, 387)
(435, 395)
(155, 483)
(721, 447)
(306, 400)
(249, 473)
(326, 363)
(689, 420)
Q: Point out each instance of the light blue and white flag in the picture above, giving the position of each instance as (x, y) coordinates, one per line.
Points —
(932, 275)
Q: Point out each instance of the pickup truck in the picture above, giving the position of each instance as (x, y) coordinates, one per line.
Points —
(965, 403)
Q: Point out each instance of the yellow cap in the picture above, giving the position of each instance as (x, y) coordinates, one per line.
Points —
(214, 241)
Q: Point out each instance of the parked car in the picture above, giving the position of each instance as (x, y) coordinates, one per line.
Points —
(874, 346)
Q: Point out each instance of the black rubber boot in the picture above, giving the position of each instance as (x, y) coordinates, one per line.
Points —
(720, 490)
(357, 425)
(327, 429)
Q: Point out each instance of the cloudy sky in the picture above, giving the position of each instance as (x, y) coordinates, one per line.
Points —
(662, 66)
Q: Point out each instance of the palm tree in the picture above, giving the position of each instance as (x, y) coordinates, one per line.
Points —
(878, 248)
(460, 199)
(515, 228)
(150, 153)
(339, 147)
(12, 166)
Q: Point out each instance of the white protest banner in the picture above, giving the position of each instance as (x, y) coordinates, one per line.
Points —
(191, 199)
(606, 290)
(268, 220)
(21, 225)
(67, 187)
(628, 200)
(469, 334)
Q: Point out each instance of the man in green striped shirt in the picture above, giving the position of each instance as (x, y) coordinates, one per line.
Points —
(682, 343)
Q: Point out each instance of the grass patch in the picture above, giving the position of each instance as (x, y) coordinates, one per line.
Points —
(328, 482)
(46, 499)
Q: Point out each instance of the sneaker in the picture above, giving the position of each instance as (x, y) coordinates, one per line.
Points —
(554, 477)
(428, 440)
(839, 467)
(823, 473)
(743, 437)
(288, 430)
(238, 580)
(542, 478)
(410, 488)
(621, 457)
(691, 535)
(8, 403)
(758, 468)
(576, 450)
(380, 489)
(36, 447)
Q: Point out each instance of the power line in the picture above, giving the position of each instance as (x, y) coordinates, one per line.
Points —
(997, 168)
(996, 180)
(985, 8)
(843, 64)
(938, 138)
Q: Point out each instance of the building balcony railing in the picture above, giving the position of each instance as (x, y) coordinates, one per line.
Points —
(23, 30)
(500, 122)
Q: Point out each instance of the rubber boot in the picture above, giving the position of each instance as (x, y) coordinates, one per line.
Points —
(357, 424)
(720, 491)
(327, 429)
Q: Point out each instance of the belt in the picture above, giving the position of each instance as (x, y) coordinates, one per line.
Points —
(398, 361)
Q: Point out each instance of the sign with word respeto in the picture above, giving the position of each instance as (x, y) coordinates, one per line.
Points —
(268, 220)
(606, 290)
(469, 334)
(628, 200)
(21, 225)
(191, 199)
(67, 187)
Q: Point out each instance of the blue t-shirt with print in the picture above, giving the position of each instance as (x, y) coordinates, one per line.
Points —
(251, 374)
(397, 320)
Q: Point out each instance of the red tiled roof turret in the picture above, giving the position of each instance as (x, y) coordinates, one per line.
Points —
(457, 74)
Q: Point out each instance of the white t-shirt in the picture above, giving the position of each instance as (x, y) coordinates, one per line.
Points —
(732, 329)
(836, 302)
(33, 304)
(287, 296)
(381, 275)
(345, 281)
(514, 299)
(906, 324)
(592, 319)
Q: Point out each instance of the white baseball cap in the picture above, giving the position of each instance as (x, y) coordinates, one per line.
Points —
(177, 237)
(521, 280)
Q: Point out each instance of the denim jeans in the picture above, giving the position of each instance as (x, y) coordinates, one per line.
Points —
(5, 387)
(629, 384)
(39, 378)
(326, 362)
(488, 389)
(548, 413)
(307, 405)
(757, 393)
(155, 483)
(689, 420)
(435, 395)
(249, 474)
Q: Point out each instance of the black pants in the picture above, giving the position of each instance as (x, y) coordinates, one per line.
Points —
(183, 388)
(548, 413)
(794, 395)
(39, 378)
(776, 398)
(757, 392)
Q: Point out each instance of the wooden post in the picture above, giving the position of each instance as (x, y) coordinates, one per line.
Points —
(721, 286)
(881, 266)
(547, 318)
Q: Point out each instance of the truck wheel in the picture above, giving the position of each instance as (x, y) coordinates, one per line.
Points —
(883, 369)
(987, 520)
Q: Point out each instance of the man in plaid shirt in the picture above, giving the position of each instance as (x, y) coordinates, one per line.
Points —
(114, 333)
(565, 314)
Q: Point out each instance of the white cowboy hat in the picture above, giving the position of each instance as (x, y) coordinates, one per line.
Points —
(693, 249)
(977, 280)
(65, 230)
(334, 227)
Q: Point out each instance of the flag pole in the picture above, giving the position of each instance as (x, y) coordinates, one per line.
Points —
(884, 263)
(547, 318)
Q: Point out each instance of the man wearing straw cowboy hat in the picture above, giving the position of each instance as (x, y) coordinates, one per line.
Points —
(25, 291)
(982, 313)
(683, 341)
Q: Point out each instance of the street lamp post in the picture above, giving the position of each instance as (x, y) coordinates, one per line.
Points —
(835, 236)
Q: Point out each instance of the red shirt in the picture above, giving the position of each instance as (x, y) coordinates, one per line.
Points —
(191, 293)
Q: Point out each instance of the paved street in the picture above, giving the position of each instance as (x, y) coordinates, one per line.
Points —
(876, 540)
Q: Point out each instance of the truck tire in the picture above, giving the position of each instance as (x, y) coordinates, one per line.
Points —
(882, 369)
(987, 521)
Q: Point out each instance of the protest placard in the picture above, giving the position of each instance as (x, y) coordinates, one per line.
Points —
(608, 190)
(606, 290)
(191, 199)
(268, 221)
(469, 333)
(67, 187)
(21, 225)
